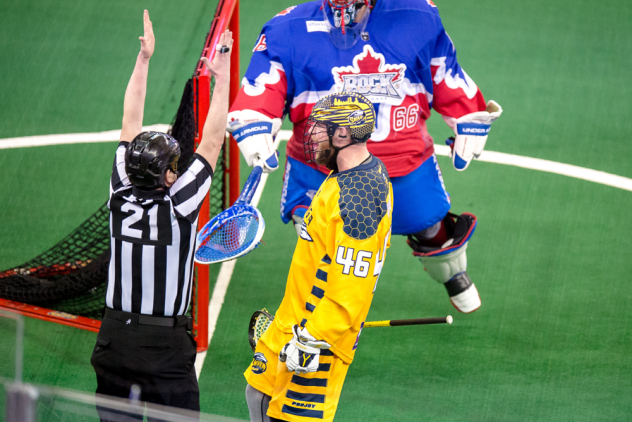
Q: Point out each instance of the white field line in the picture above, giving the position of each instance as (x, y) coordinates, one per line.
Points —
(70, 138)
(590, 175)
(549, 166)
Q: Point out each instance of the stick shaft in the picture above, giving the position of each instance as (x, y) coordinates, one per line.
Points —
(250, 186)
(400, 322)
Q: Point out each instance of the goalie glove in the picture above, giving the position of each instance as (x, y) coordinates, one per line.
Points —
(471, 134)
(301, 354)
(254, 133)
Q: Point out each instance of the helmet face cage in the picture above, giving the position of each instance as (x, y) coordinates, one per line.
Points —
(148, 157)
(345, 32)
(346, 8)
(344, 12)
(349, 110)
(311, 145)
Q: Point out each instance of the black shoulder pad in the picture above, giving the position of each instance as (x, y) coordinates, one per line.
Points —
(363, 200)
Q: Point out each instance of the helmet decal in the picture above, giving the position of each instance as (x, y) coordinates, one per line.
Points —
(349, 110)
(357, 117)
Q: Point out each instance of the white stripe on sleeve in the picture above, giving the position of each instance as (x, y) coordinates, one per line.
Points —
(191, 204)
(187, 177)
(120, 165)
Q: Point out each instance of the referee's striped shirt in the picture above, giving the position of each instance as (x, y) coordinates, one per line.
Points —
(153, 240)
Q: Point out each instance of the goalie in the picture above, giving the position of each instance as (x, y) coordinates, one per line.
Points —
(397, 54)
(302, 359)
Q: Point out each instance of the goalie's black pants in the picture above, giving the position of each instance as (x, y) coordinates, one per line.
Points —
(132, 349)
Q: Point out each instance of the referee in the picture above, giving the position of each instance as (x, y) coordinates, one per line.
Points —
(144, 338)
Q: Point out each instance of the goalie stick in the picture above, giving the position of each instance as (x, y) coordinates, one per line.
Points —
(261, 320)
(237, 230)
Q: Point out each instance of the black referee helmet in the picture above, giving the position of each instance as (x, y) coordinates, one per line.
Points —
(149, 156)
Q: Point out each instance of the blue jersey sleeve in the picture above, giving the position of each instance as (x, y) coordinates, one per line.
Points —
(454, 93)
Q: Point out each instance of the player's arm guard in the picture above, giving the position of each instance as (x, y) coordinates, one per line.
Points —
(301, 353)
(471, 134)
(254, 133)
(447, 264)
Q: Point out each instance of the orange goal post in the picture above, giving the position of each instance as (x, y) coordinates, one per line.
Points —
(226, 17)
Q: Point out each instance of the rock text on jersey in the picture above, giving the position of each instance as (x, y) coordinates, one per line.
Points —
(371, 76)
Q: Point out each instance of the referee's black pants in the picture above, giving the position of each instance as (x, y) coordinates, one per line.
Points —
(159, 359)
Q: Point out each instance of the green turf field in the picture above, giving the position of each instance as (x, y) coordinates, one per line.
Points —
(551, 254)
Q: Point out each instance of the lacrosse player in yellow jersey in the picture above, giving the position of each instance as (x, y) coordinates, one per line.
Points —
(302, 359)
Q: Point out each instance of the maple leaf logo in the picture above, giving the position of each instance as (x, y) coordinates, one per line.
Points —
(371, 76)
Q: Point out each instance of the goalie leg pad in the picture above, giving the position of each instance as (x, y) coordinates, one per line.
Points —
(447, 264)
(463, 293)
(458, 230)
(443, 267)
(449, 269)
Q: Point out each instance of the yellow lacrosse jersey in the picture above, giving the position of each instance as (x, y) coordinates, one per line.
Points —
(338, 259)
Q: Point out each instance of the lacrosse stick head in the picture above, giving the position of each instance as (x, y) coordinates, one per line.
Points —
(229, 235)
(259, 323)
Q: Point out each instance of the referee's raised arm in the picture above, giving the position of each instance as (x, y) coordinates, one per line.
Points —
(134, 104)
(214, 133)
(145, 338)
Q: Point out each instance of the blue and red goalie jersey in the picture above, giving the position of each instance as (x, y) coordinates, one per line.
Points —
(405, 64)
